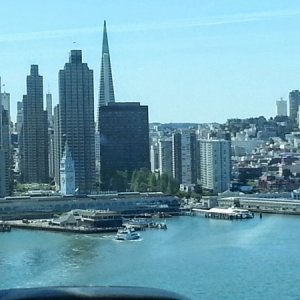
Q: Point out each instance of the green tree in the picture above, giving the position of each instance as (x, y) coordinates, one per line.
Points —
(152, 182)
(163, 183)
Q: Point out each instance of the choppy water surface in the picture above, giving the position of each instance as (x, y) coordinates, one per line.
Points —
(197, 257)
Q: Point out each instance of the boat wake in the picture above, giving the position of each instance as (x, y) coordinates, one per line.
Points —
(131, 241)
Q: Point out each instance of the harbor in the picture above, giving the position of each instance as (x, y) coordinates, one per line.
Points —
(201, 247)
(86, 222)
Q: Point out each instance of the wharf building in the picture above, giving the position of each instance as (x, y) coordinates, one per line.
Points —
(34, 148)
(40, 206)
(215, 164)
(124, 144)
(76, 119)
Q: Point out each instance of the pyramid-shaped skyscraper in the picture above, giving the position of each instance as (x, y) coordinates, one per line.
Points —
(106, 87)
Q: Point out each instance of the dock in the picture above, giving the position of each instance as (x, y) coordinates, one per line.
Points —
(44, 226)
(230, 213)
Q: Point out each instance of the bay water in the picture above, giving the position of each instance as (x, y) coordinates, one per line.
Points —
(196, 257)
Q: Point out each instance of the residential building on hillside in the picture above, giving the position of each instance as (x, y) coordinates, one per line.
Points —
(215, 165)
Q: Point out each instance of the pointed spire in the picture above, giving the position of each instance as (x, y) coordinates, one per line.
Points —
(105, 48)
(106, 87)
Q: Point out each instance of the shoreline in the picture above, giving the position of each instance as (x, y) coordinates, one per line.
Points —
(45, 227)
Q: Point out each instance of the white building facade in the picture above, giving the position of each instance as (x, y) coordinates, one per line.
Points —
(281, 107)
(215, 165)
(67, 173)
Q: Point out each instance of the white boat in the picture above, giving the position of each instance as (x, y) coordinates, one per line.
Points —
(127, 234)
(242, 213)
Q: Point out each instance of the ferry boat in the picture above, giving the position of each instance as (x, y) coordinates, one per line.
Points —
(242, 213)
(127, 234)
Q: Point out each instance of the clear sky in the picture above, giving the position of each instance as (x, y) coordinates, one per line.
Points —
(189, 61)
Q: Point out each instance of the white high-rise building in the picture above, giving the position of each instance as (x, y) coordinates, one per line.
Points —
(154, 157)
(215, 165)
(281, 107)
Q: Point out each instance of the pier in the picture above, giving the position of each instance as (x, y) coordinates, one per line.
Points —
(44, 225)
(230, 213)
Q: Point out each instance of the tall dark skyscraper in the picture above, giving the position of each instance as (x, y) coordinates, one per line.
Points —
(124, 145)
(76, 119)
(294, 99)
(3, 171)
(106, 87)
(34, 156)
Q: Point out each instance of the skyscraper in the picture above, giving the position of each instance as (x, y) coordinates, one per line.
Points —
(6, 102)
(184, 157)
(281, 107)
(56, 146)
(49, 109)
(154, 157)
(34, 156)
(19, 117)
(165, 157)
(215, 165)
(294, 99)
(76, 119)
(6, 141)
(124, 142)
(176, 157)
(3, 171)
(106, 87)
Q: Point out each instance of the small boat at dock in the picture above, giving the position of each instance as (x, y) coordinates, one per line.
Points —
(5, 227)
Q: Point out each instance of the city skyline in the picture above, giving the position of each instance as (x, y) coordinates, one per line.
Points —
(195, 58)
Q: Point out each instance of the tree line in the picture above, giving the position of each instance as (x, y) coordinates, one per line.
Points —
(142, 181)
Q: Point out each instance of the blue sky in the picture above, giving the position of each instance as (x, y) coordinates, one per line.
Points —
(189, 61)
